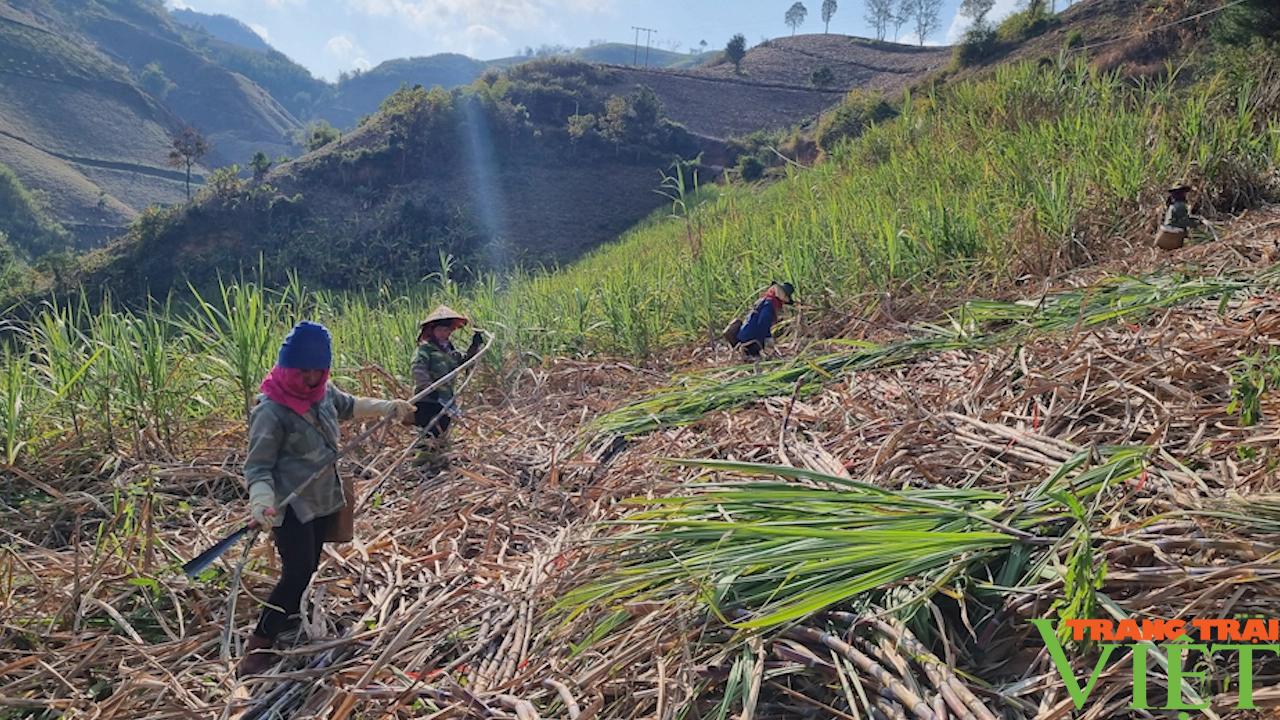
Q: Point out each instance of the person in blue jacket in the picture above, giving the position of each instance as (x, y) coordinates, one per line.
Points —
(757, 329)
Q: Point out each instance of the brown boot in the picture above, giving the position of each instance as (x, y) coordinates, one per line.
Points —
(258, 657)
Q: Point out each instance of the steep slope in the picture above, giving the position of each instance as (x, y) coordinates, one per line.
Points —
(359, 95)
(96, 166)
(868, 526)
(774, 88)
(236, 114)
(854, 62)
(493, 554)
(624, 54)
(76, 125)
(222, 27)
(287, 81)
(488, 176)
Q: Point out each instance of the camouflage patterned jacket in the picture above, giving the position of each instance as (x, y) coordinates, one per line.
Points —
(432, 362)
(1179, 215)
(285, 450)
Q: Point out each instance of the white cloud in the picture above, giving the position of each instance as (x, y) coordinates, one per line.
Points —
(261, 31)
(347, 52)
(341, 47)
(960, 23)
(179, 4)
(284, 3)
(507, 14)
(910, 38)
(480, 28)
(474, 41)
(484, 33)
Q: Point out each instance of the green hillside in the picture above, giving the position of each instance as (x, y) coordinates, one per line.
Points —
(433, 174)
(222, 27)
(1074, 174)
(623, 54)
(360, 94)
(287, 81)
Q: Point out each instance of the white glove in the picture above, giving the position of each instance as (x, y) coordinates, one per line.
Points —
(402, 410)
(373, 408)
(405, 410)
(262, 505)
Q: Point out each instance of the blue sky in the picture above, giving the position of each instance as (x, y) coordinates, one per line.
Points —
(328, 36)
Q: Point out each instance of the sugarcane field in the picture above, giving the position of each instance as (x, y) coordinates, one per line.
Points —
(916, 360)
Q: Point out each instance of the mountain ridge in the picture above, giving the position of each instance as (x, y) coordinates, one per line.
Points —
(223, 27)
(100, 166)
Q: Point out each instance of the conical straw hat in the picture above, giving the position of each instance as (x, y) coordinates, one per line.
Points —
(445, 314)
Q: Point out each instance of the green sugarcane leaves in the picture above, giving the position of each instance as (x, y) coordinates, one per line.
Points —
(976, 325)
(759, 554)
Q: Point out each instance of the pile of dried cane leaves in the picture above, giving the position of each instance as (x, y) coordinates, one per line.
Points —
(462, 593)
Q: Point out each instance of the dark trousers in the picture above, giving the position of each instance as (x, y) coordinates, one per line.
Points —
(299, 545)
(427, 410)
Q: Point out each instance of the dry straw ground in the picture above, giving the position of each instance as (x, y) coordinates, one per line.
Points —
(442, 606)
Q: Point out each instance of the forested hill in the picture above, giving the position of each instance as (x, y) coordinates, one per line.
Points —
(534, 165)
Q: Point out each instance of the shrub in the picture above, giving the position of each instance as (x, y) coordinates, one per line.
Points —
(1075, 39)
(979, 43)
(261, 165)
(1240, 24)
(224, 183)
(855, 113)
(736, 50)
(758, 140)
(1026, 24)
(750, 168)
(822, 77)
(155, 82)
(581, 125)
(317, 134)
(25, 219)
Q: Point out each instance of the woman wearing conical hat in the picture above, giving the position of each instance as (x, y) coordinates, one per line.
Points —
(435, 358)
(1178, 220)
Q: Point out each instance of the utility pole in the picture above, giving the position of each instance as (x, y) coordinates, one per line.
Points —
(647, 33)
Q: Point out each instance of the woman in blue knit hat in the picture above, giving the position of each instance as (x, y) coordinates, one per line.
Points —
(293, 434)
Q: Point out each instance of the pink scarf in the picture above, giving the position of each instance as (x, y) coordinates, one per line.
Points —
(772, 296)
(285, 386)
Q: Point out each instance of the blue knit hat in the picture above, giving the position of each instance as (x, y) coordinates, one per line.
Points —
(307, 347)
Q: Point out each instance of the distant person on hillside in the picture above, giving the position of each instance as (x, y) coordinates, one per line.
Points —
(434, 359)
(757, 330)
(293, 435)
(1178, 220)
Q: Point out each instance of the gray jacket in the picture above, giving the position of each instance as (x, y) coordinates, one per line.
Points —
(285, 450)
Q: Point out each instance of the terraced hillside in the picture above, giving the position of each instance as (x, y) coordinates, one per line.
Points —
(76, 124)
(482, 179)
(774, 89)
(360, 94)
